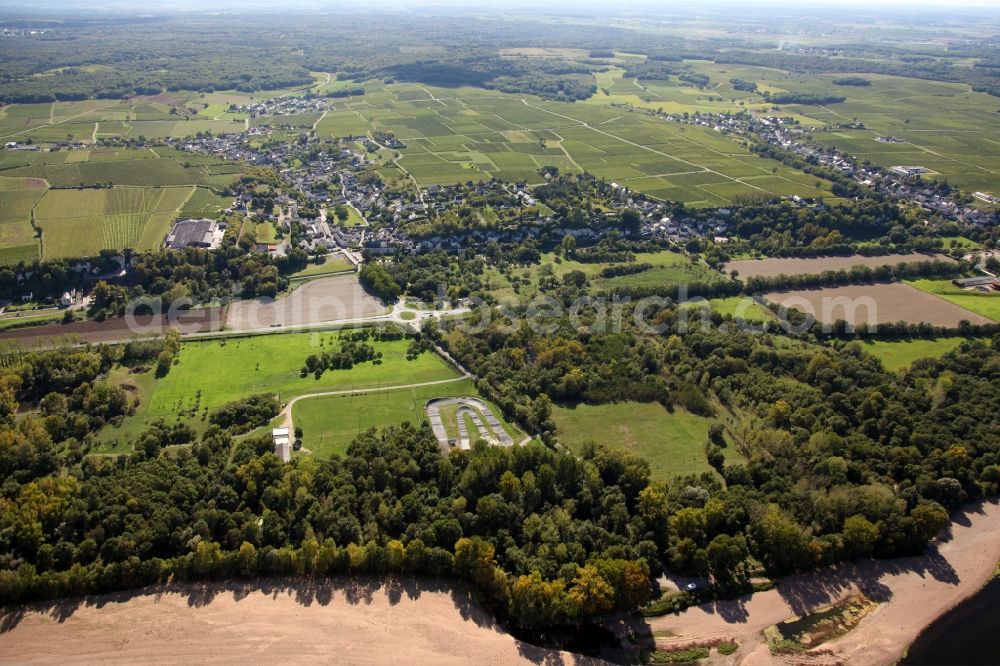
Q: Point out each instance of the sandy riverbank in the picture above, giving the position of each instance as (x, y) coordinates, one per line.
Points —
(426, 622)
(912, 592)
(342, 621)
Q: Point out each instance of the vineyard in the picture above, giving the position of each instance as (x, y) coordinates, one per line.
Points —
(78, 223)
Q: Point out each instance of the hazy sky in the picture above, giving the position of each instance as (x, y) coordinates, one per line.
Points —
(504, 5)
(549, 7)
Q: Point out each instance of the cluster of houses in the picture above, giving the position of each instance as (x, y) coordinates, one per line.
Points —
(899, 183)
(283, 106)
(23, 147)
(321, 177)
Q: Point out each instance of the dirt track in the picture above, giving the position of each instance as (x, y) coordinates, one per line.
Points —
(339, 621)
(775, 266)
(880, 303)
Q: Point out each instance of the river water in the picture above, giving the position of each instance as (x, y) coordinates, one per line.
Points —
(966, 635)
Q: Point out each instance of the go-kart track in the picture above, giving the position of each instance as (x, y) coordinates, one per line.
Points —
(476, 411)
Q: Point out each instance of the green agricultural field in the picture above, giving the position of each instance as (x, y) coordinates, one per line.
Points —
(77, 223)
(16, 205)
(18, 241)
(151, 117)
(470, 134)
(10, 256)
(985, 304)
(673, 443)
(330, 423)
(897, 354)
(205, 203)
(943, 126)
(117, 166)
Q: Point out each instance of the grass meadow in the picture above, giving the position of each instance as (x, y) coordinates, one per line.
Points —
(899, 354)
(330, 423)
(332, 263)
(672, 442)
(985, 304)
(211, 373)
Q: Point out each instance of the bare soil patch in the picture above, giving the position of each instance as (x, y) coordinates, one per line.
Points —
(875, 304)
(774, 266)
(911, 592)
(317, 301)
(341, 620)
(117, 329)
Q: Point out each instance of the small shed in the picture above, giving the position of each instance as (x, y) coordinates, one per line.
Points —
(282, 446)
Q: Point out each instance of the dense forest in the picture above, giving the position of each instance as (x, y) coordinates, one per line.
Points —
(544, 536)
(830, 455)
(839, 458)
(118, 57)
(860, 461)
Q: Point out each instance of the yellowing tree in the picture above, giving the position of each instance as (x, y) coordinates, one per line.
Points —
(590, 592)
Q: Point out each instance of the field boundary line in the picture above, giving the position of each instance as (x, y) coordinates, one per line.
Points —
(650, 149)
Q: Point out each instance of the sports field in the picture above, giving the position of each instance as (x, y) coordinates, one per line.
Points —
(673, 443)
(78, 223)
